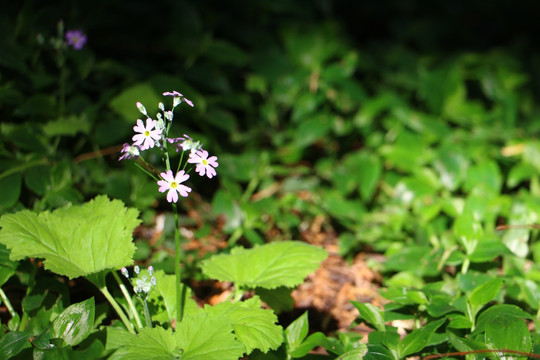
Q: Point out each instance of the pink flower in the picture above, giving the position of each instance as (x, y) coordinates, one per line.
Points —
(178, 98)
(147, 135)
(171, 184)
(204, 163)
(174, 93)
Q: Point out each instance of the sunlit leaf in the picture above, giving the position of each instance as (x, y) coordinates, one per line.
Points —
(206, 336)
(253, 326)
(76, 240)
(268, 266)
(150, 344)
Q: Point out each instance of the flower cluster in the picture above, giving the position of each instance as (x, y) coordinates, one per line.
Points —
(143, 283)
(153, 133)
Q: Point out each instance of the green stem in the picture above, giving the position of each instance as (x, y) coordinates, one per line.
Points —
(119, 311)
(147, 315)
(179, 297)
(62, 91)
(132, 308)
(8, 303)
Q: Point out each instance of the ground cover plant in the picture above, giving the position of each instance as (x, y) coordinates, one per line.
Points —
(188, 208)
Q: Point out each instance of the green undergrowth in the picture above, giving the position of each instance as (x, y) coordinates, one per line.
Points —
(417, 155)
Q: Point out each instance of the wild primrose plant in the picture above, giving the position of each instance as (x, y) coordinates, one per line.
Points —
(154, 134)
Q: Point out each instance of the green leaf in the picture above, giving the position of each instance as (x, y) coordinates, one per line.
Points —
(504, 331)
(278, 299)
(269, 266)
(124, 103)
(497, 310)
(11, 190)
(370, 314)
(75, 323)
(204, 336)
(368, 172)
(253, 326)
(67, 126)
(378, 352)
(517, 240)
(296, 332)
(355, 354)
(7, 267)
(38, 178)
(164, 293)
(150, 344)
(484, 175)
(418, 339)
(13, 343)
(316, 339)
(76, 240)
(484, 293)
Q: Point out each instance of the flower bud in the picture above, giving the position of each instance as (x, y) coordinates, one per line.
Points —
(141, 108)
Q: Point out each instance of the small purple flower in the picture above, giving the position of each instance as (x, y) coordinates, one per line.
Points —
(76, 39)
(129, 152)
(204, 163)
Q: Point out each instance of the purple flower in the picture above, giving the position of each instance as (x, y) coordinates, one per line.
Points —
(204, 163)
(129, 151)
(76, 39)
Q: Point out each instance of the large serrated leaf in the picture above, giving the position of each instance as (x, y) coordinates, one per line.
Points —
(253, 326)
(74, 241)
(203, 336)
(150, 344)
(268, 266)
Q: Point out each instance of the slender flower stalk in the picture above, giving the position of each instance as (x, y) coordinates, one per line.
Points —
(118, 309)
(125, 292)
(155, 134)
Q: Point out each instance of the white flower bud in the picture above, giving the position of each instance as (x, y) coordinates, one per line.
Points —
(141, 108)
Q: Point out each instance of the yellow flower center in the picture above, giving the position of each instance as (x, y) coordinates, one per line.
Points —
(205, 162)
(146, 133)
(174, 185)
